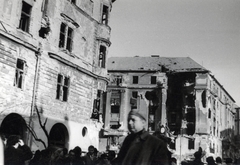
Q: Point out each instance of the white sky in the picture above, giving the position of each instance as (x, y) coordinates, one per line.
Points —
(208, 31)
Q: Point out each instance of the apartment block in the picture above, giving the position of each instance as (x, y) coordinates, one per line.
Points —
(53, 70)
(184, 101)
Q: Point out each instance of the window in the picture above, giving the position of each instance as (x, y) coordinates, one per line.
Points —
(102, 56)
(96, 106)
(153, 80)
(209, 113)
(66, 37)
(191, 143)
(20, 72)
(62, 87)
(115, 109)
(105, 15)
(134, 94)
(135, 79)
(25, 17)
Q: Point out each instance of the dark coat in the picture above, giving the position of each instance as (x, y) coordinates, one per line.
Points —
(142, 149)
(17, 156)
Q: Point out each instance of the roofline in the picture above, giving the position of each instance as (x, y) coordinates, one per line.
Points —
(222, 87)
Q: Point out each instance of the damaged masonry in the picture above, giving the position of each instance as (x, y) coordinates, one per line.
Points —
(185, 103)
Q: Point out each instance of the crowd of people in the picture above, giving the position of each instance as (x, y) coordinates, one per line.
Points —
(198, 156)
(138, 148)
(17, 153)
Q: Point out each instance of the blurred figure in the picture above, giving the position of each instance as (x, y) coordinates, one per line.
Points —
(90, 158)
(36, 158)
(103, 160)
(210, 161)
(197, 157)
(78, 155)
(229, 161)
(16, 152)
(173, 161)
(57, 156)
(111, 156)
(1, 151)
(218, 161)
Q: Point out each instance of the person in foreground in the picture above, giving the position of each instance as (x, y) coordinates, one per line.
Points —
(16, 152)
(139, 147)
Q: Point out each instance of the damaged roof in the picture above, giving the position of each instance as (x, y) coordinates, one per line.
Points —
(154, 63)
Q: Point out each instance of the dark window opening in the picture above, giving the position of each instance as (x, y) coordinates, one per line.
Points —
(25, 17)
(62, 87)
(134, 94)
(105, 15)
(209, 113)
(19, 74)
(96, 106)
(135, 79)
(191, 144)
(102, 56)
(69, 39)
(172, 145)
(190, 128)
(62, 35)
(204, 99)
(153, 80)
(119, 80)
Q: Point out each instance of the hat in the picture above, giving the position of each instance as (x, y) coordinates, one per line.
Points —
(140, 113)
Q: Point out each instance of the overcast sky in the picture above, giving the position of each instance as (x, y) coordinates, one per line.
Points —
(208, 31)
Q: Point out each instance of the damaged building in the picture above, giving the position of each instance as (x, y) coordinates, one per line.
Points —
(53, 70)
(185, 103)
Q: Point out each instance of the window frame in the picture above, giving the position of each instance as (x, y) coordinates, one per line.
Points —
(153, 79)
(63, 86)
(66, 35)
(102, 56)
(20, 74)
(135, 79)
(105, 14)
(25, 18)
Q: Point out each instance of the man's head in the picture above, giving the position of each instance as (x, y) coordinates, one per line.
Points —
(136, 121)
(91, 149)
(13, 140)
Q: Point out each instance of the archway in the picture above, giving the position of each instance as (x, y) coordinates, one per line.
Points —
(14, 124)
(59, 136)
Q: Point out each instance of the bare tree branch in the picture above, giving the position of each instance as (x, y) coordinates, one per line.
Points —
(43, 126)
(35, 136)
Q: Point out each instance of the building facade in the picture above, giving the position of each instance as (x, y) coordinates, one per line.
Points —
(185, 103)
(53, 70)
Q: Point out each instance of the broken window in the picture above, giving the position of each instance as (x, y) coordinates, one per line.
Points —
(135, 79)
(190, 117)
(153, 80)
(62, 87)
(105, 15)
(20, 72)
(25, 16)
(115, 109)
(66, 37)
(191, 143)
(102, 56)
